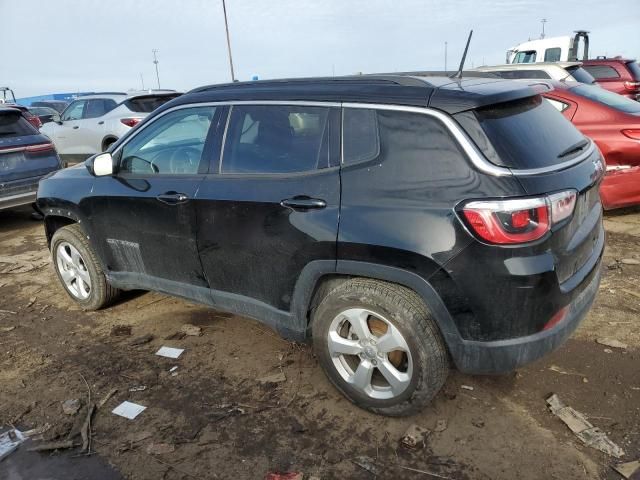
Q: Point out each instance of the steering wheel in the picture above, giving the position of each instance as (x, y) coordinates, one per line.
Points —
(185, 160)
(129, 160)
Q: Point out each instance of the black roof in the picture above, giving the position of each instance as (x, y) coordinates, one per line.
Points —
(413, 89)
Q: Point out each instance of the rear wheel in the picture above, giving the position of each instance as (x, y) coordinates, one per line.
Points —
(78, 269)
(380, 347)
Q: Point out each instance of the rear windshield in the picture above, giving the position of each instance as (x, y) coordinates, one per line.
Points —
(148, 104)
(581, 75)
(613, 100)
(634, 68)
(14, 125)
(526, 133)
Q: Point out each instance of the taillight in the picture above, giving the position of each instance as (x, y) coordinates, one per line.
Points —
(41, 147)
(632, 86)
(633, 133)
(518, 220)
(130, 122)
(557, 318)
(35, 121)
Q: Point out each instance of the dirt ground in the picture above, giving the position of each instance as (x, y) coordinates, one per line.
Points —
(222, 422)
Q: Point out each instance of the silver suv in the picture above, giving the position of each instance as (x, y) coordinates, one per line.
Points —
(91, 123)
(561, 71)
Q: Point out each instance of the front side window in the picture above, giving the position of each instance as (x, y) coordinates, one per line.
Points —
(74, 111)
(276, 139)
(173, 144)
(525, 57)
(552, 54)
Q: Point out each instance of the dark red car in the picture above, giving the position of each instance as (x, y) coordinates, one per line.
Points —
(613, 122)
(619, 75)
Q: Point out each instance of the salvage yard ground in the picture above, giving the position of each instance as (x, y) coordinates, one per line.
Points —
(216, 416)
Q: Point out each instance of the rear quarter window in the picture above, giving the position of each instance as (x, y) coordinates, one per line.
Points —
(516, 74)
(148, 104)
(14, 125)
(601, 71)
(634, 69)
(581, 75)
(522, 134)
(610, 99)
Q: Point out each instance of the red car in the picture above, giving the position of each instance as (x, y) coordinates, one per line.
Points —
(613, 122)
(619, 75)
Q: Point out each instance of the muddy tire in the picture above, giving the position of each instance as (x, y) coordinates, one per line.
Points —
(79, 270)
(379, 346)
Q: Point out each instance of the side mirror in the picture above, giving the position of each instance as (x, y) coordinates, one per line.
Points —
(101, 165)
(55, 117)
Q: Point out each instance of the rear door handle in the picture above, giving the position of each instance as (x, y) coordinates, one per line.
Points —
(101, 122)
(172, 198)
(303, 203)
(75, 127)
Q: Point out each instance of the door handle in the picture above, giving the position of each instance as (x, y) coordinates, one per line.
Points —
(101, 122)
(172, 198)
(303, 203)
(75, 127)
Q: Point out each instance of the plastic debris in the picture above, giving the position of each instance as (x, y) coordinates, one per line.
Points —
(71, 407)
(415, 437)
(611, 342)
(128, 410)
(583, 429)
(138, 388)
(627, 470)
(9, 441)
(275, 378)
(170, 352)
(466, 387)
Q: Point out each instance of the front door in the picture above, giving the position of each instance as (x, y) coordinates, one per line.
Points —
(273, 205)
(143, 217)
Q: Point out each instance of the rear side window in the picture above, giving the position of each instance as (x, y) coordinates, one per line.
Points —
(613, 100)
(276, 139)
(14, 125)
(361, 141)
(602, 71)
(514, 74)
(148, 104)
(552, 54)
(581, 75)
(527, 133)
(98, 107)
(634, 68)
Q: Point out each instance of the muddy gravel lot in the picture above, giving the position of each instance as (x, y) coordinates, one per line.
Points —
(216, 416)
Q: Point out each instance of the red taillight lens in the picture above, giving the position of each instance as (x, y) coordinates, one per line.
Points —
(130, 122)
(632, 86)
(35, 121)
(633, 133)
(518, 220)
(41, 147)
(557, 318)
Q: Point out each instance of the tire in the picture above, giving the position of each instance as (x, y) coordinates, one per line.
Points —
(89, 287)
(421, 363)
(107, 143)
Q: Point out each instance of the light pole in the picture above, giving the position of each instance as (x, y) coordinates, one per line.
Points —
(543, 21)
(142, 80)
(155, 61)
(226, 27)
(445, 57)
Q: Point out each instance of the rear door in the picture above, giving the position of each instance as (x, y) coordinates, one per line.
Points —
(143, 218)
(272, 206)
(92, 125)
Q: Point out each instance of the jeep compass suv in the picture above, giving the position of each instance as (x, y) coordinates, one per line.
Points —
(402, 223)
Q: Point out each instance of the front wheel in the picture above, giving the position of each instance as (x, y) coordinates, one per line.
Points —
(379, 346)
(78, 269)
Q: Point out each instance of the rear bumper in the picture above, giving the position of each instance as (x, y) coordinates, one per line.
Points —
(502, 356)
(621, 188)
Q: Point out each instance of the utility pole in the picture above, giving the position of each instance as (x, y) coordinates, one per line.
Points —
(226, 27)
(155, 61)
(543, 21)
(445, 57)
(142, 80)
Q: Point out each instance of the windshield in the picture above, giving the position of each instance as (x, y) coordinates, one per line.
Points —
(581, 75)
(610, 99)
(523, 134)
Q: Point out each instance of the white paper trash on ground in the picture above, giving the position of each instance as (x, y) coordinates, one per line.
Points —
(9, 441)
(170, 352)
(128, 410)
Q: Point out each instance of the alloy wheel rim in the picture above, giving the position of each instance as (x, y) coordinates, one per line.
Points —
(374, 361)
(73, 271)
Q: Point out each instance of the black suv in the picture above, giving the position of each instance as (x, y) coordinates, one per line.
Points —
(399, 221)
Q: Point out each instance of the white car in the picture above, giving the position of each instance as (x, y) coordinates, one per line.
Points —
(561, 71)
(91, 123)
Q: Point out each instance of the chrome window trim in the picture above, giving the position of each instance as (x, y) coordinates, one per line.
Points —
(475, 156)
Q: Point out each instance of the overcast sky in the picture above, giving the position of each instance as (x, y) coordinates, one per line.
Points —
(83, 45)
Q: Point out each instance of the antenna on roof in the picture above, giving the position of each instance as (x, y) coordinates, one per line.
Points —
(458, 74)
